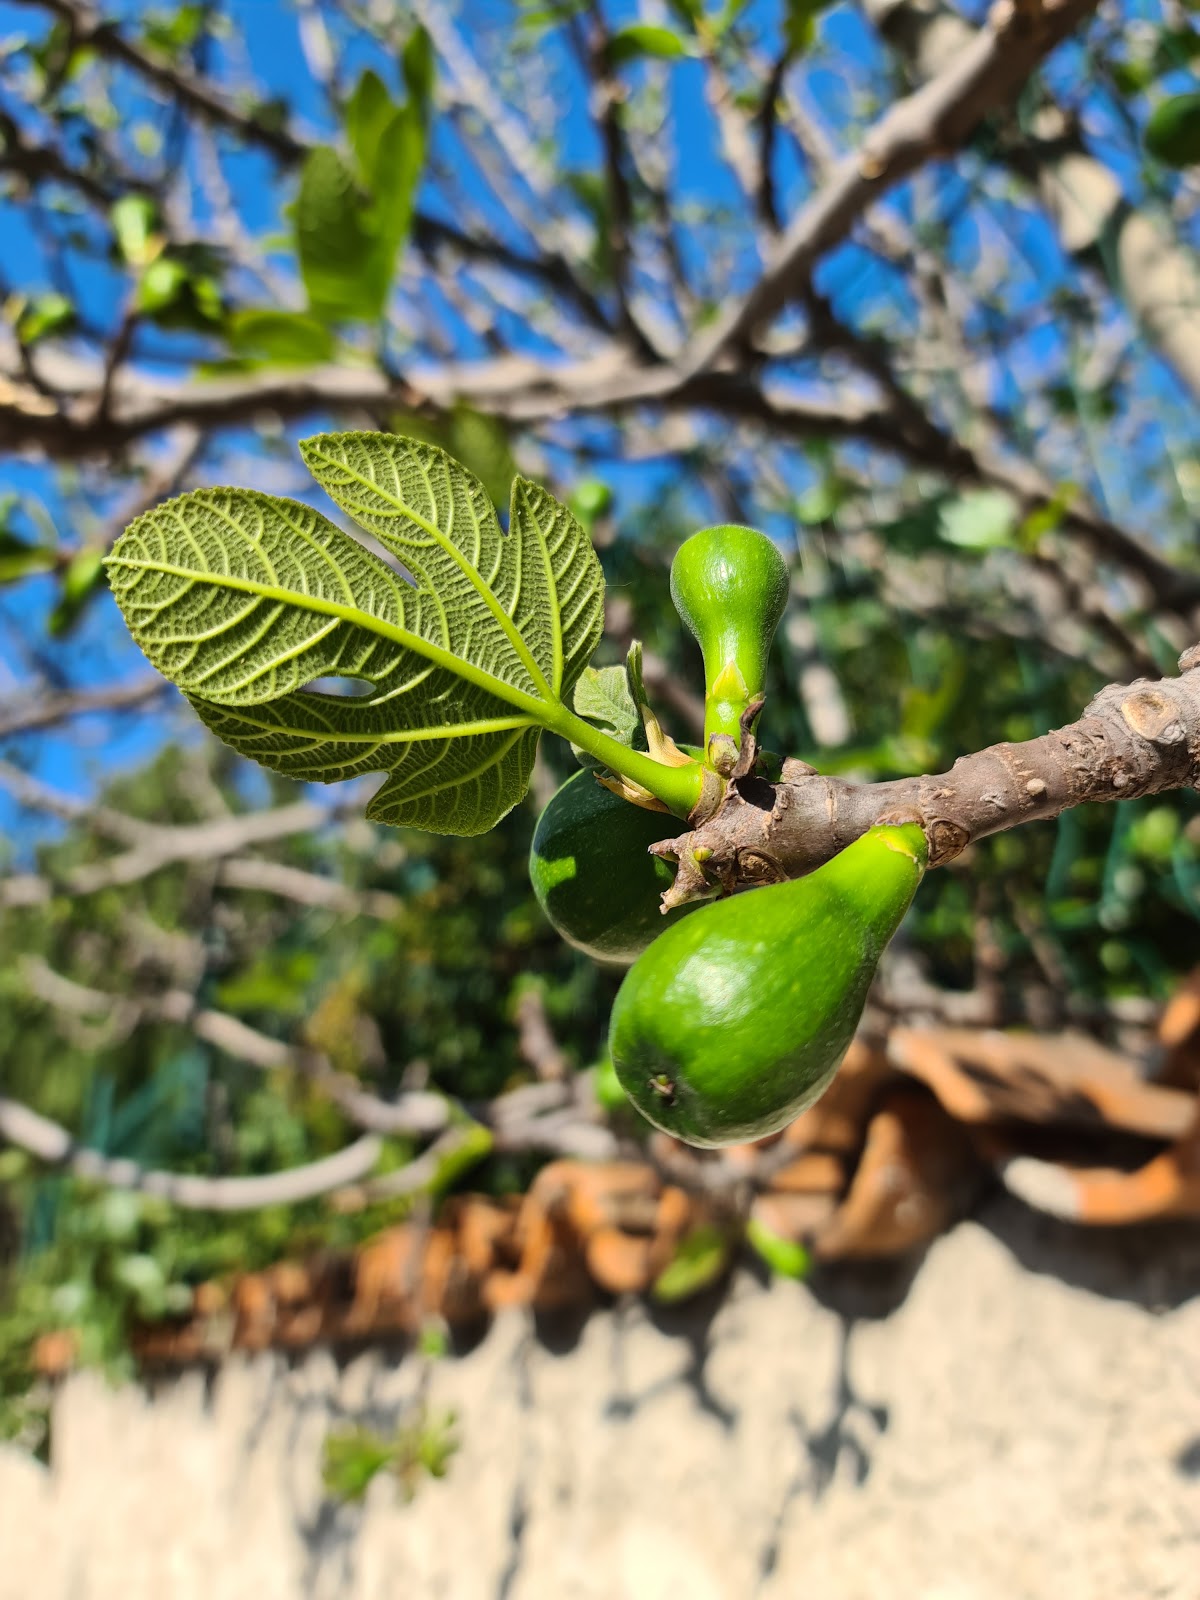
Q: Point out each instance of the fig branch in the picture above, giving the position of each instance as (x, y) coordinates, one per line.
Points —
(1133, 740)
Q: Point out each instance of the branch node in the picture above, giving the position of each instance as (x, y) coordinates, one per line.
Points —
(1153, 715)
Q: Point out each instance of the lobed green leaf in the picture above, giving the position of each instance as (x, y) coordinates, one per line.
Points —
(244, 600)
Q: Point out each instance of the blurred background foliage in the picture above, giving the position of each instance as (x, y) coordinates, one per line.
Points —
(344, 211)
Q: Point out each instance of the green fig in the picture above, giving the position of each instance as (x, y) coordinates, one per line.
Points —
(592, 875)
(734, 1021)
(730, 586)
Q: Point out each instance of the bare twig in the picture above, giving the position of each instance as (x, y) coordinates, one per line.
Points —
(44, 710)
(934, 121)
(91, 29)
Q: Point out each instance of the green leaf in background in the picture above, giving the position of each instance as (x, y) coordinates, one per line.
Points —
(282, 338)
(242, 599)
(367, 113)
(333, 240)
(399, 162)
(800, 24)
(1172, 49)
(590, 499)
(133, 220)
(417, 67)
(352, 1458)
(160, 284)
(1173, 131)
(641, 39)
(44, 316)
(83, 577)
(171, 33)
(785, 1257)
(699, 1261)
(980, 519)
(18, 559)
(352, 223)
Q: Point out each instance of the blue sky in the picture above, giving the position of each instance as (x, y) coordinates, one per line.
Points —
(77, 755)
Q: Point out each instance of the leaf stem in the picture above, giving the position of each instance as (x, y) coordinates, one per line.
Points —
(679, 788)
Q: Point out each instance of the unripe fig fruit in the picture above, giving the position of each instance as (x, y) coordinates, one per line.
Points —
(592, 875)
(737, 1019)
(730, 586)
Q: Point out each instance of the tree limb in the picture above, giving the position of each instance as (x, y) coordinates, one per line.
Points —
(932, 122)
(44, 710)
(50, 1142)
(1132, 740)
(1157, 278)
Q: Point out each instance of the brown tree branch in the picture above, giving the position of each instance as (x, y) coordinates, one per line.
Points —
(1155, 275)
(933, 122)
(92, 30)
(522, 390)
(1132, 740)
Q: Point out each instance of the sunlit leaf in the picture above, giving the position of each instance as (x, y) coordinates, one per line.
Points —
(287, 338)
(602, 696)
(980, 519)
(81, 580)
(243, 599)
(44, 316)
(699, 1260)
(133, 219)
(18, 559)
(641, 39)
(418, 66)
(785, 1257)
(333, 241)
(367, 113)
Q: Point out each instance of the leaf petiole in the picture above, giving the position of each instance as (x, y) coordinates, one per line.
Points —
(679, 788)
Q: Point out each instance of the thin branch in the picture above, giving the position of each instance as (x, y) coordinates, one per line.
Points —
(91, 29)
(306, 888)
(44, 710)
(50, 1142)
(44, 163)
(527, 391)
(929, 124)
(535, 1037)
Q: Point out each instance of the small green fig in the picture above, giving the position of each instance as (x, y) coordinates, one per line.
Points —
(593, 876)
(734, 1021)
(730, 586)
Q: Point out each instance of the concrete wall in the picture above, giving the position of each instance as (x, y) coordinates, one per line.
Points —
(1025, 1422)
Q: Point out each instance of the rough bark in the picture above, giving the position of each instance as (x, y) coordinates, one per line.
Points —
(1133, 740)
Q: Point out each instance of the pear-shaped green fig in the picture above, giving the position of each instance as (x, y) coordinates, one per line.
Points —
(593, 876)
(730, 586)
(734, 1021)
